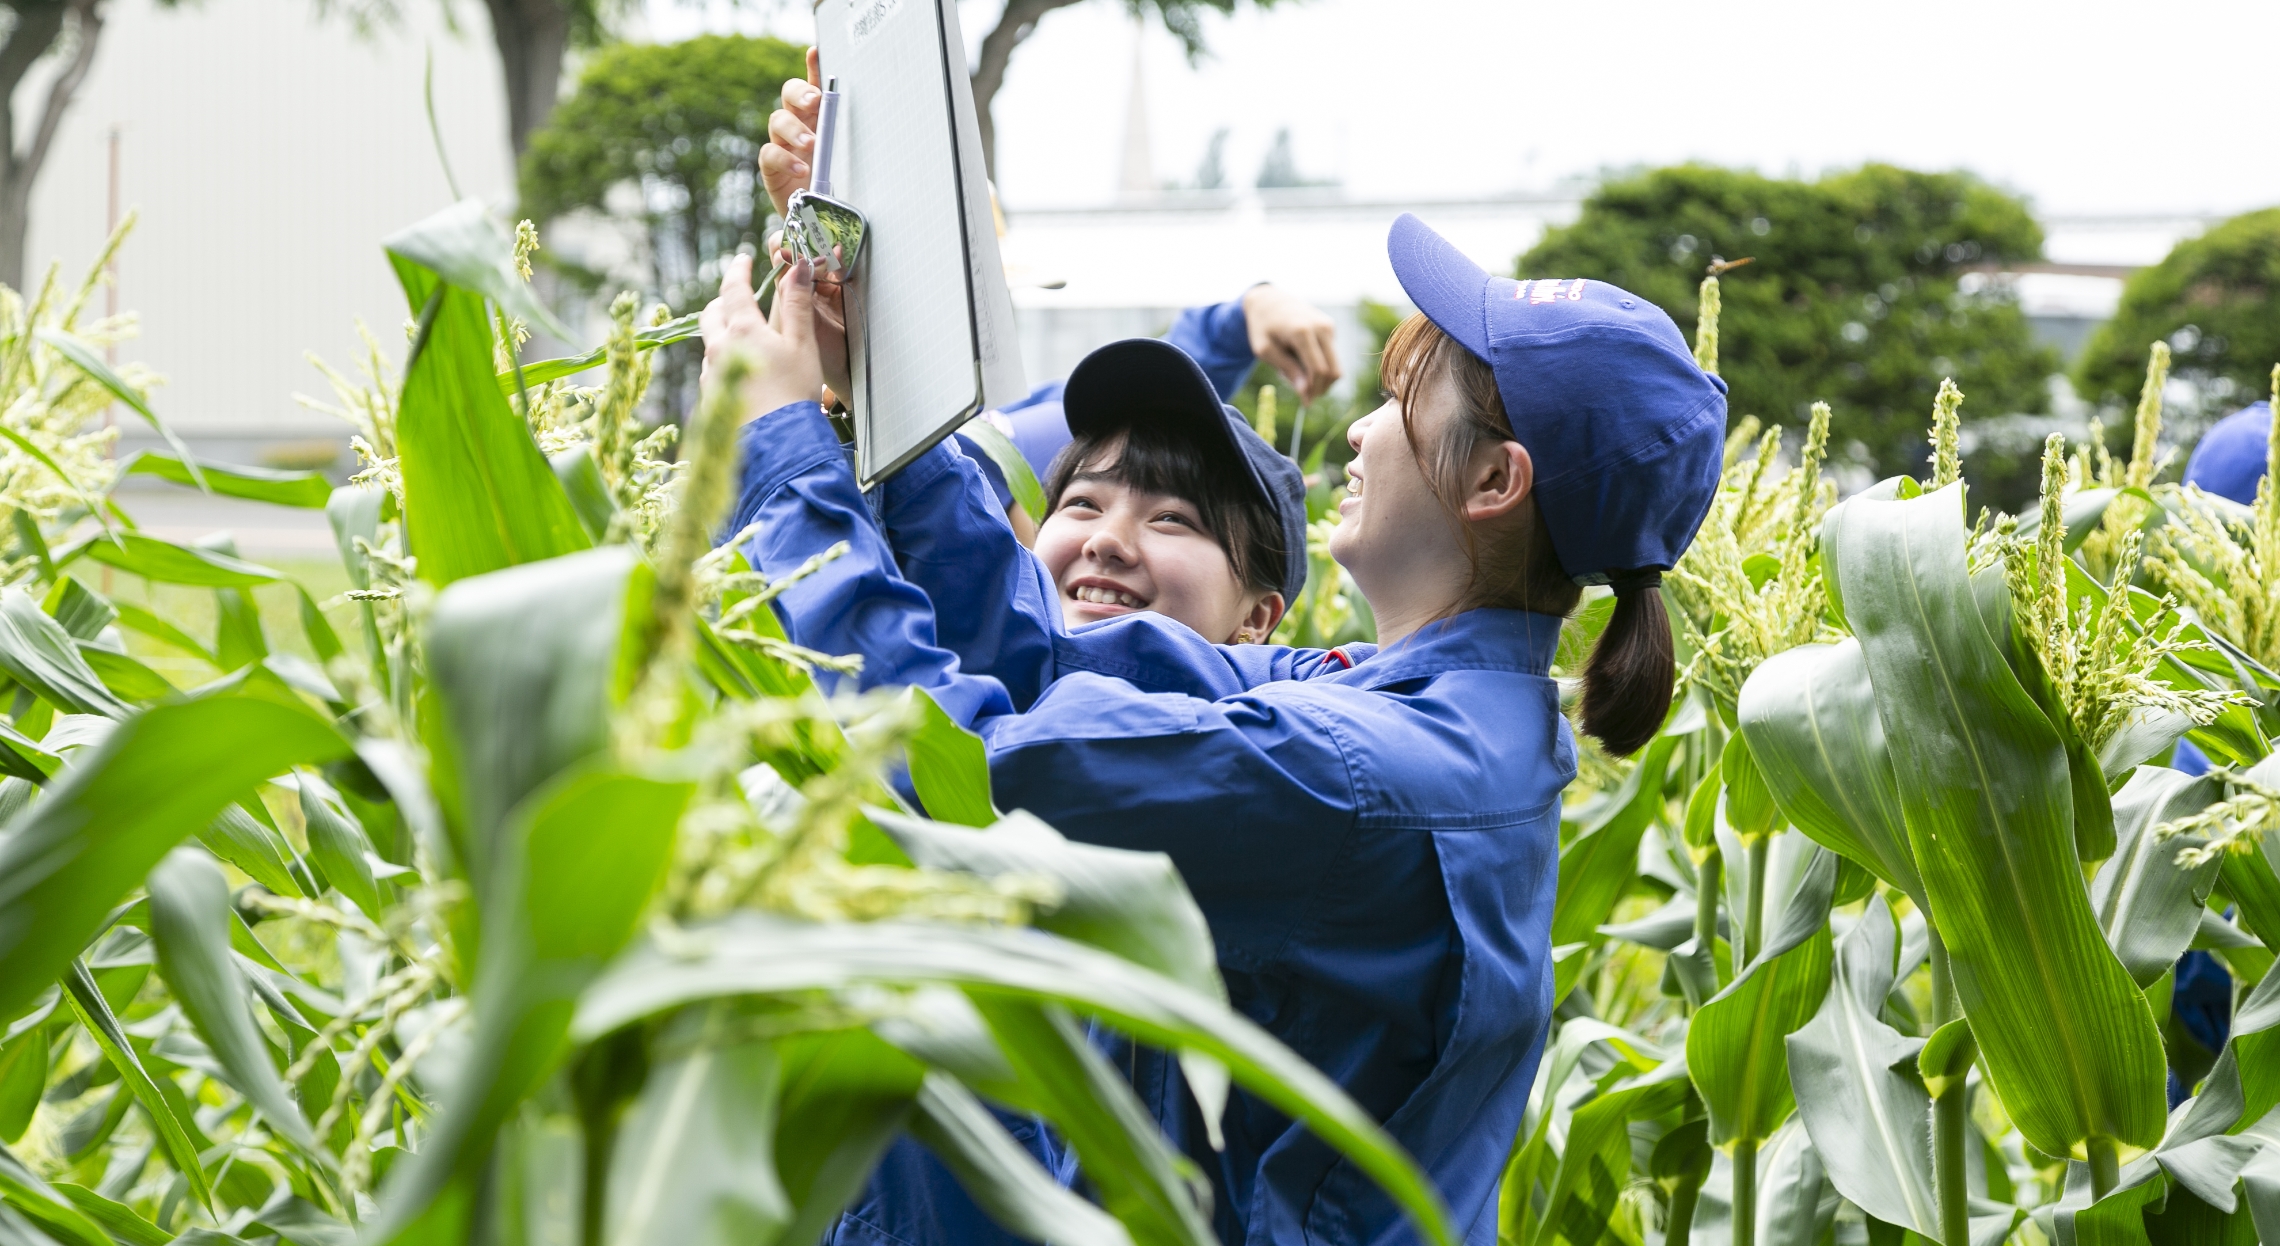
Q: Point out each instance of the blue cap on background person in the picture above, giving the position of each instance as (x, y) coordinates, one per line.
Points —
(2230, 457)
(1149, 380)
(1627, 432)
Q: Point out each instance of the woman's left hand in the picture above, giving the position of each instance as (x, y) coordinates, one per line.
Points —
(781, 346)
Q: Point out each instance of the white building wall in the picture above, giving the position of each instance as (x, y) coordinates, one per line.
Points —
(268, 153)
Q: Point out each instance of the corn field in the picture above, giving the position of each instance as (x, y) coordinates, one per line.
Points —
(553, 902)
(556, 903)
(1875, 943)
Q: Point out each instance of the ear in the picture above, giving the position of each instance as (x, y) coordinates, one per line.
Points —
(1503, 475)
(1265, 613)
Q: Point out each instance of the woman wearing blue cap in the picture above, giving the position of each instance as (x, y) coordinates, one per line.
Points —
(1375, 843)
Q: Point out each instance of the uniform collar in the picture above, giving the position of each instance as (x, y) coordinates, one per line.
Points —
(1479, 640)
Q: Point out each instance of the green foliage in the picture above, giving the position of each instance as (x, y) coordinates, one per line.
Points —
(2215, 300)
(681, 124)
(1856, 296)
(343, 949)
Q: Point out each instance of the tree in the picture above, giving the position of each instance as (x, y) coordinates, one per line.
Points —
(1855, 297)
(2216, 300)
(69, 29)
(681, 124)
(1018, 20)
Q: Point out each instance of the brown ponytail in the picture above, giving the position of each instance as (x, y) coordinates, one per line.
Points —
(1627, 683)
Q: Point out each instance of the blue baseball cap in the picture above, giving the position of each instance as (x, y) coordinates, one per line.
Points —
(1146, 380)
(2230, 457)
(1627, 431)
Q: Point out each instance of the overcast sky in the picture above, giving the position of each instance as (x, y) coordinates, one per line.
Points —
(2087, 107)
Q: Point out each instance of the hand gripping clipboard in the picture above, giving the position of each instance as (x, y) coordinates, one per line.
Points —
(931, 339)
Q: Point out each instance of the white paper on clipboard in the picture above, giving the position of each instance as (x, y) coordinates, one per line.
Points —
(931, 337)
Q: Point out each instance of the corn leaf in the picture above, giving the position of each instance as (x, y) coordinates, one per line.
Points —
(236, 837)
(589, 494)
(525, 662)
(36, 652)
(846, 1095)
(89, 360)
(175, 1134)
(190, 924)
(464, 246)
(1121, 901)
(1870, 1120)
(256, 484)
(127, 679)
(584, 855)
(1735, 1047)
(117, 1219)
(108, 819)
(754, 954)
(2149, 906)
(1003, 1179)
(1599, 861)
(23, 1075)
(340, 846)
(1133, 1171)
(478, 495)
(1019, 475)
(678, 329)
(138, 619)
(170, 562)
(2070, 1043)
(949, 768)
(24, 1189)
(695, 1161)
(1595, 1165)
(1810, 717)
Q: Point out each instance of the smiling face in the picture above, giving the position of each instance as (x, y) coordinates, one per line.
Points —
(1114, 548)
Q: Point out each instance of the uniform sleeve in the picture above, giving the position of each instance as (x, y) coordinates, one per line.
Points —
(1094, 753)
(798, 485)
(992, 475)
(994, 607)
(1219, 338)
(1251, 796)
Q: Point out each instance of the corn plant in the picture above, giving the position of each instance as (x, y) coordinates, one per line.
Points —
(563, 905)
(1879, 932)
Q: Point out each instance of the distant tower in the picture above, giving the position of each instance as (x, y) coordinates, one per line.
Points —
(1139, 173)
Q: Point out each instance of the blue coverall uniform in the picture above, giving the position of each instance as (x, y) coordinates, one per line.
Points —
(1372, 834)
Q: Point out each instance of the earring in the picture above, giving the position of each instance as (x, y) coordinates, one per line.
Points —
(1245, 636)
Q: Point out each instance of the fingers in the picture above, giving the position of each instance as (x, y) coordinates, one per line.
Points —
(1279, 356)
(792, 132)
(783, 173)
(793, 315)
(1319, 357)
(736, 282)
(814, 68)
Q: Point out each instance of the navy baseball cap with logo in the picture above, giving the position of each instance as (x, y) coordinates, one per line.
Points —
(1627, 431)
(1146, 380)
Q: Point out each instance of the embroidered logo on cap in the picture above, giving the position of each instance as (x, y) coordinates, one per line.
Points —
(1548, 291)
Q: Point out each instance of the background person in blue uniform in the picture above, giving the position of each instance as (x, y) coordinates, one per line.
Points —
(1374, 847)
(1225, 339)
(2228, 462)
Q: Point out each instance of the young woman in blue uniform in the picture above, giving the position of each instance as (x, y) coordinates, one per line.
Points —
(1373, 835)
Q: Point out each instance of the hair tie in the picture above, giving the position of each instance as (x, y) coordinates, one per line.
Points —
(1626, 583)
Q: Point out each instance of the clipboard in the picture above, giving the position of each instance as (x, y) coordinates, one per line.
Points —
(931, 339)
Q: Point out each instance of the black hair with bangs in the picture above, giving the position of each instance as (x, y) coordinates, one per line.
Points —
(1148, 458)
